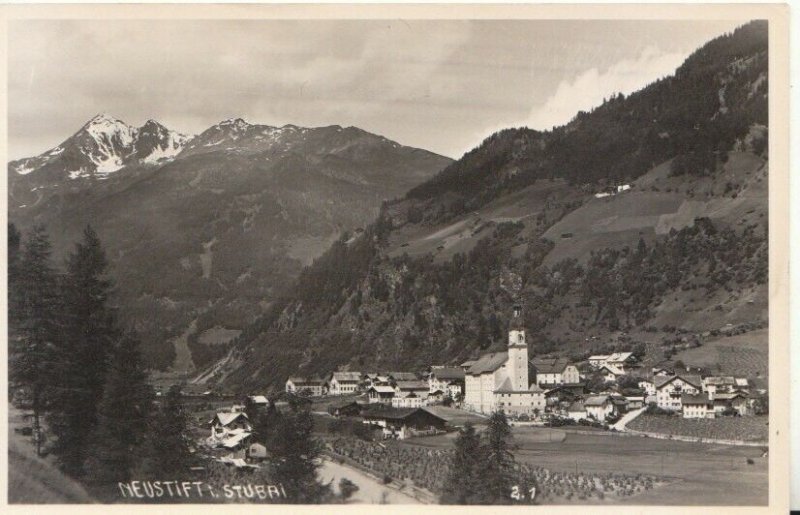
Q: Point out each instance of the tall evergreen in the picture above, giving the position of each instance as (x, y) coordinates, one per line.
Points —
(122, 417)
(465, 481)
(499, 464)
(83, 357)
(295, 457)
(37, 330)
(14, 261)
(165, 448)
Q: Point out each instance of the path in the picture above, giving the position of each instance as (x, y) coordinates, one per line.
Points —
(370, 491)
(627, 418)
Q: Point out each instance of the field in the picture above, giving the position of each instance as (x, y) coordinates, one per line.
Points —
(723, 428)
(742, 355)
(693, 473)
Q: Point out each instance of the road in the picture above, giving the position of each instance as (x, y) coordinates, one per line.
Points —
(627, 418)
(370, 491)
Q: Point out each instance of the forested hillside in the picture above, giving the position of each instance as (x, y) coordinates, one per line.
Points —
(678, 257)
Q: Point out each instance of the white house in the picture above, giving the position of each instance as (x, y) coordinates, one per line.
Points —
(554, 372)
(446, 379)
(649, 387)
(410, 399)
(623, 361)
(343, 383)
(670, 389)
(499, 381)
(230, 430)
(314, 386)
(697, 405)
(598, 407)
(610, 373)
(576, 411)
(381, 393)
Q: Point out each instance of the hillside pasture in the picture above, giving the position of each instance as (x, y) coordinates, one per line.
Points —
(744, 354)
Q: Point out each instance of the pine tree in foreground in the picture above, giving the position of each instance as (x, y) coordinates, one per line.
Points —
(499, 465)
(465, 481)
(164, 452)
(122, 419)
(36, 324)
(89, 335)
(296, 456)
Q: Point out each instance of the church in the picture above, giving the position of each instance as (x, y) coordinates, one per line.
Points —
(499, 381)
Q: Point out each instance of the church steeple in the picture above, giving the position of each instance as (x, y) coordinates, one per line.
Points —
(518, 351)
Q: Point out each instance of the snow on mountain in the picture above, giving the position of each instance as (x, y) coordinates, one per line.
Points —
(103, 146)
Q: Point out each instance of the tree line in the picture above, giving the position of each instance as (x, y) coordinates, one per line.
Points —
(82, 376)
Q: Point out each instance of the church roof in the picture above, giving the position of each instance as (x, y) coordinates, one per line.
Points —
(447, 373)
(488, 363)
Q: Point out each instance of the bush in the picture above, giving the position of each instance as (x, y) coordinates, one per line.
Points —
(347, 488)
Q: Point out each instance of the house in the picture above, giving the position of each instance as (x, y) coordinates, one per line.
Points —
(554, 371)
(343, 383)
(662, 372)
(670, 389)
(447, 379)
(402, 423)
(598, 360)
(313, 385)
(623, 187)
(394, 377)
(719, 384)
(697, 405)
(598, 407)
(647, 386)
(576, 411)
(619, 360)
(500, 380)
(224, 423)
(380, 393)
(257, 452)
(736, 401)
(610, 373)
(410, 399)
(411, 386)
(259, 401)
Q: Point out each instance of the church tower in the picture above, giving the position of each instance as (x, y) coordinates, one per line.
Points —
(518, 353)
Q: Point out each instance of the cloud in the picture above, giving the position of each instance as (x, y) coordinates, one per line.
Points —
(588, 89)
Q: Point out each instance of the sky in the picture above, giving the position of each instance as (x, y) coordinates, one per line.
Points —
(440, 85)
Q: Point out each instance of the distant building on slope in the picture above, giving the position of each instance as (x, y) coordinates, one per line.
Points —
(499, 381)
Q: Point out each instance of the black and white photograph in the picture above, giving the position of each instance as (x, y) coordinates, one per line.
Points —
(442, 260)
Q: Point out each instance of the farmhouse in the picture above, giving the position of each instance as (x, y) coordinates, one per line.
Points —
(623, 361)
(410, 399)
(313, 385)
(500, 380)
(719, 384)
(697, 405)
(402, 376)
(259, 401)
(736, 401)
(343, 383)
(670, 389)
(610, 373)
(648, 386)
(554, 371)
(380, 393)
(447, 379)
(348, 409)
(224, 423)
(598, 407)
(402, 423)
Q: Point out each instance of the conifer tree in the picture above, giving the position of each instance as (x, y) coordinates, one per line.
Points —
(499, 464)
(122, 417)
(90, 332)
(295, 457)
(465, 481)
(14, 261)
(31, 347)
(165, 448)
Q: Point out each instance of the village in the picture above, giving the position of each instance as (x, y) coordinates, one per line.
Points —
(604, 393)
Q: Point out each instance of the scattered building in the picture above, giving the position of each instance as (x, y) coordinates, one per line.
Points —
(670, 389)
(697, 405)
(381, 393)
(402, 423)
(599, 407)
(552, 372)
(343, 383)
(312, 385)
(447, 379)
